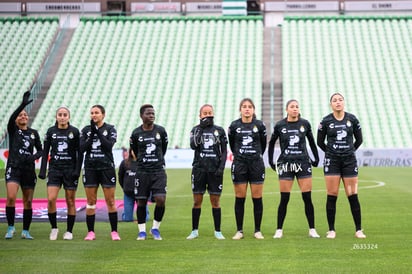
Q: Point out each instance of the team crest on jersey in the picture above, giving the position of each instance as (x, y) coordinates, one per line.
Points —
(302, 128)
(255, 129)
(348, 123)
(157, 136)
(54, 136)
(283, 130)
(71, 135)
(32, 136)
(105, 132)
(216, 133)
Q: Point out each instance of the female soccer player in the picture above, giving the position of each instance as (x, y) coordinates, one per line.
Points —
(294, 161)
(247, 140)
(97, 140)
(210, 145)
(63, 142)
(344, 136)
(20, 169)
(149, 144)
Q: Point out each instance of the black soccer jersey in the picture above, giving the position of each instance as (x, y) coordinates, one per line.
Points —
(98, 147)
(210, 147)
(149, 146)
(292, 138)
(340, 135)
(22, 144)
(247, 140)
(127, 176)
(64, 145)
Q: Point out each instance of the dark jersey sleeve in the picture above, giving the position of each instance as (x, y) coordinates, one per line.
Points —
(263, 137)
(45, 155)
(79, 154)
(122, 171)
(11, 126)
(110, 139)
(223, 149)
(86, 139)
(272, 142)
(165, 141)
(321, 136)
(231, 137)
(312, 144)
(357, 133)
(38, 146)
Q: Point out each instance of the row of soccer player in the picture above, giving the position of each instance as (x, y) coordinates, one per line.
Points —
(142, 174)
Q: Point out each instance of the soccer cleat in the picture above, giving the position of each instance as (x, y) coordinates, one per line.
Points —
(141, 236)
(258, 235)
(238, 235)
(156, 234)
(219, 235)
(10, 232)
(278, 234)
(53, 234)
(25, 234)
(68, 236)
(193, 235)
(360, 235)
(331, 234)
(90, 236)
(313, 233)
(115, 236)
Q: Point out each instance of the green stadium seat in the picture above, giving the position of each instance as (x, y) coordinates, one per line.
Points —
(364, 59)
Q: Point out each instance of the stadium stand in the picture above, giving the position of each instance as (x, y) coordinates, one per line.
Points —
(175, 63)
(180, 63)
(24, 43)
(366, 58)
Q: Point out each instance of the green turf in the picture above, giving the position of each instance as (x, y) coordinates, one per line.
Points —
(386, 212)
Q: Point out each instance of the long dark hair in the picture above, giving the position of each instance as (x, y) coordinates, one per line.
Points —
(100, 107)
(251, 102)
(290, 102)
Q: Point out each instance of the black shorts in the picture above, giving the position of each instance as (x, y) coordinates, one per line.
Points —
(94, 178)
(244, 172)
(202, 180)
(346, 166)
(290, 169)
(61, 178)
(27, 179)
(151, 183)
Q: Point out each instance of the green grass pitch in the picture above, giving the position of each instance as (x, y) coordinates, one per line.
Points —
(384, 193)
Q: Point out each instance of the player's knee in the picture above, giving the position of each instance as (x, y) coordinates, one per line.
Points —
(91, 206)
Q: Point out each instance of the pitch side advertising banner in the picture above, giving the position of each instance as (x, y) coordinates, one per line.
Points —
(64, 7)
(10, 7)
(156, 7)
(182, 158)
(378, 5)
(302, 6)
(204, 6)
